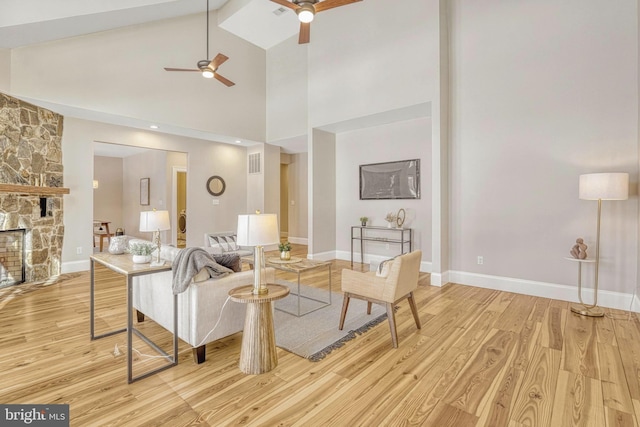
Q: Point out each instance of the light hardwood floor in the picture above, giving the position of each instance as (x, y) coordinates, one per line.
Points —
(482, 358)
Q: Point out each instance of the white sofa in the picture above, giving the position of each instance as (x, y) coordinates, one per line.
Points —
(223, 242)
(199, 307)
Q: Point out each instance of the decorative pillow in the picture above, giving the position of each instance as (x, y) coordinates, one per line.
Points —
(118, 244)
(231, 261)
(231, 243)
(216, 247)
(222, 244)
(384, 268)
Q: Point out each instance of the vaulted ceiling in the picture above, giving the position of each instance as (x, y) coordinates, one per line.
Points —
(25, 22)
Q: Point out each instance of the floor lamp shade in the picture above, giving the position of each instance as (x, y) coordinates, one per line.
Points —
(604, 186)
(599, 186)
(258, 230)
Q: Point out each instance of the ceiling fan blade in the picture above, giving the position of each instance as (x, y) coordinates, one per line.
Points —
(286, 3)
(219, 59)
(305, 32)
(330, 4)
(224, 80)
(180, 69)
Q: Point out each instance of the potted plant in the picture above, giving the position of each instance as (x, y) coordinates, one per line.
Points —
(285, 251)
(141, 252)
(363, 221)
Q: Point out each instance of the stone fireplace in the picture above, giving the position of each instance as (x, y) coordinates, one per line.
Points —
(30, 170)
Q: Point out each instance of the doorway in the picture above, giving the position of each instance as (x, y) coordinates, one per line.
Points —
(180, 203)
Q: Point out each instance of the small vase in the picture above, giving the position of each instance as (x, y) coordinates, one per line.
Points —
(389, 225)
(364, 223)
(285, 255)
(141, 259)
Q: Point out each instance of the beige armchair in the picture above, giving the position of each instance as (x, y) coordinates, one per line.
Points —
(400, 283)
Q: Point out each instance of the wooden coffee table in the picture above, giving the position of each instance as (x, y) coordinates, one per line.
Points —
(258, 354)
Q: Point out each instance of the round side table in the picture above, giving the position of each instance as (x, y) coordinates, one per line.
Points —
(258, 353)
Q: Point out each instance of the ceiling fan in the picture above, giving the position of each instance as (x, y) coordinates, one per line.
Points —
(306, 10)
(208, 68)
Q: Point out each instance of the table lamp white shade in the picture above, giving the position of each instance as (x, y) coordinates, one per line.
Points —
(154, 221)
(604, 186)
(257, 230)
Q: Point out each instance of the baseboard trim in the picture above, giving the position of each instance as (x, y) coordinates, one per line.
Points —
(618, 300)
(635, 305)
(298, 240)
(322, 256)
(74, 266)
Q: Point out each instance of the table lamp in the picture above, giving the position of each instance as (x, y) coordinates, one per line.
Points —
(600, 186)
(155, 221)
(258, 230)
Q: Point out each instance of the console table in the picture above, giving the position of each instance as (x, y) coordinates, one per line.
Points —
(123, 264)
(397, 236)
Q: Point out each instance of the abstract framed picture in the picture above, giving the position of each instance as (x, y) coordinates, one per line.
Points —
(144, 191)
(390, 180)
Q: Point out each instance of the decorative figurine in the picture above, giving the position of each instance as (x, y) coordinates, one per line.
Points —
(579, 250)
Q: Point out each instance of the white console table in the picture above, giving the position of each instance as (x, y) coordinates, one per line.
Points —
(397, 236)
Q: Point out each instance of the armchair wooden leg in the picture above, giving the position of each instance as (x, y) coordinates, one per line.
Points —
(414, 309)
(391, 315)
(140, 316)
(368, 307)
(199, 354)
(345, 306)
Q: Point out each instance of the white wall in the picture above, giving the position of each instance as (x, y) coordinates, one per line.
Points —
(107, 198)
(542, 91)
(371, 57)
(322, 199)
(396, 141)
(5, 70)
(121, 72)
(286, 72)
(204, 159)
(298, 194)
(151, 164)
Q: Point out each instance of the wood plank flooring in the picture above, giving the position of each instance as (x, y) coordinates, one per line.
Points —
(482, 358)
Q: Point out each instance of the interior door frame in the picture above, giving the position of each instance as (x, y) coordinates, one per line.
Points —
(174, 201)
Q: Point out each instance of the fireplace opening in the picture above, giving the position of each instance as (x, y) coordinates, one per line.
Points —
(12, 255)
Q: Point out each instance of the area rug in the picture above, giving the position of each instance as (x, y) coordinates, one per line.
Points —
(316, 334)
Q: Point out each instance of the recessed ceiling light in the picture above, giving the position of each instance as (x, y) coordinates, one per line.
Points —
(238, 141)
(153, 126)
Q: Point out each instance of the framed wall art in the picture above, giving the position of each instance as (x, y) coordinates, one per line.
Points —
(390, 180)
(144, 191)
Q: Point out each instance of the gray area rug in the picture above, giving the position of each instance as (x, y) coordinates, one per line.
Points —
(316, 334)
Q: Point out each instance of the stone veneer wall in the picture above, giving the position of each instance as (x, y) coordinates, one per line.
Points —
(30, 143)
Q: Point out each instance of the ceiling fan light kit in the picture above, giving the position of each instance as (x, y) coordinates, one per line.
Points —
(306, 11)
(207, 73)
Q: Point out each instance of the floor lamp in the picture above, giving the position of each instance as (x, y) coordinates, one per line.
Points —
(599, 186)
(258, 230)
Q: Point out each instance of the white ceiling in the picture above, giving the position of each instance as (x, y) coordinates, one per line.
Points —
(25, 22)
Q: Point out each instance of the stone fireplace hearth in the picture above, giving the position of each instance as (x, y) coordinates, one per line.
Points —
(30, 143)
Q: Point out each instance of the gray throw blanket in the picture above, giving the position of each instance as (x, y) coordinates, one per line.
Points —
(189, 262)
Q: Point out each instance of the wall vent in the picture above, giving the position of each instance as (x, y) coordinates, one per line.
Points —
(254, 163)
(279, 11)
